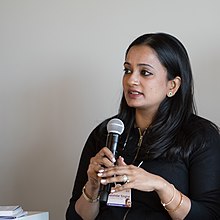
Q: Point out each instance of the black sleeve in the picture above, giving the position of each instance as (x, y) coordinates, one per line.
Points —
(205, 181)
(92, 146)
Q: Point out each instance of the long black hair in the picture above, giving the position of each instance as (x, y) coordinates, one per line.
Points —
(176, 130)
(169, 132)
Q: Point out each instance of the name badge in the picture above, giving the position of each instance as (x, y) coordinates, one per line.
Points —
(122, 198)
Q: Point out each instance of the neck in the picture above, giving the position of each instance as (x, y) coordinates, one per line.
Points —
(142, 121)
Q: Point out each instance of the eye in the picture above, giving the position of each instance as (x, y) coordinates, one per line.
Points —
(127, 71)
(146, 73)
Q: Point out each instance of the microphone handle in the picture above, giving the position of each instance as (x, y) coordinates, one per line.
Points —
(111, 143)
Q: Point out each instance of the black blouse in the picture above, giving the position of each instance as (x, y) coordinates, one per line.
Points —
(198, 177)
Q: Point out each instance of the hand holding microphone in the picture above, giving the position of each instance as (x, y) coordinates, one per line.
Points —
(115, 127)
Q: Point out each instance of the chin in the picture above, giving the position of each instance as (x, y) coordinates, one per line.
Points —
(132, 105)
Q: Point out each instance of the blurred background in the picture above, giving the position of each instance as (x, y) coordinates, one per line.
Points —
(61, 65)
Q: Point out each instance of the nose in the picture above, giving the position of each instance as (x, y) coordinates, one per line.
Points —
(134, 79)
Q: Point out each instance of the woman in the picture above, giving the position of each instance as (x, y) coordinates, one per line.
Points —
(168, 157)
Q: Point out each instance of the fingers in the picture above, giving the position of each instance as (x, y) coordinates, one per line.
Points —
(126, 179)
(105, 152)
(114, 179)
(120, 161)
(118, 170)
(104, 158)
(122, 174)
(128, 176)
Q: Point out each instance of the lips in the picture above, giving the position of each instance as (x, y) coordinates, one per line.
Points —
(132, 92)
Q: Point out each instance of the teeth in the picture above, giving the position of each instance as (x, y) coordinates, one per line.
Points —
(135, 93)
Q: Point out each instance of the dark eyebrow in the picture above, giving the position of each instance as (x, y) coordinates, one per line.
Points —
(140, 64)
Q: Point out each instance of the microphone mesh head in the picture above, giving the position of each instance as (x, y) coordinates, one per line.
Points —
(115, 125)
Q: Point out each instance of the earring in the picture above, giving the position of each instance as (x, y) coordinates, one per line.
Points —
(170, 94)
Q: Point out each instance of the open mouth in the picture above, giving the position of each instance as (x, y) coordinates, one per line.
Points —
(135, 93)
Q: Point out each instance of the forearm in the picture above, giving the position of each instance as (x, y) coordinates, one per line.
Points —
(85, 207)
(176, 204)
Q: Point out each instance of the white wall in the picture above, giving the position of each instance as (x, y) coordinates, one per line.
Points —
(60, 75)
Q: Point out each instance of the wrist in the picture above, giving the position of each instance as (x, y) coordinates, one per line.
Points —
(91, 190)
(88, 197)
(165, 191)
(161, 185)
(172, 198)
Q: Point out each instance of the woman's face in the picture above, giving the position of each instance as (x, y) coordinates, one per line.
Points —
(145, 82)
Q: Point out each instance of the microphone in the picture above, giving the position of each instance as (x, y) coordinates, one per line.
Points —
(115, 127)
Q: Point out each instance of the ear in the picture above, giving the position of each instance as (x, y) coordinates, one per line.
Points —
(173, 86)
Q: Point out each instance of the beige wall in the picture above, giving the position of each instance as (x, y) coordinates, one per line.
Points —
(60, 75)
